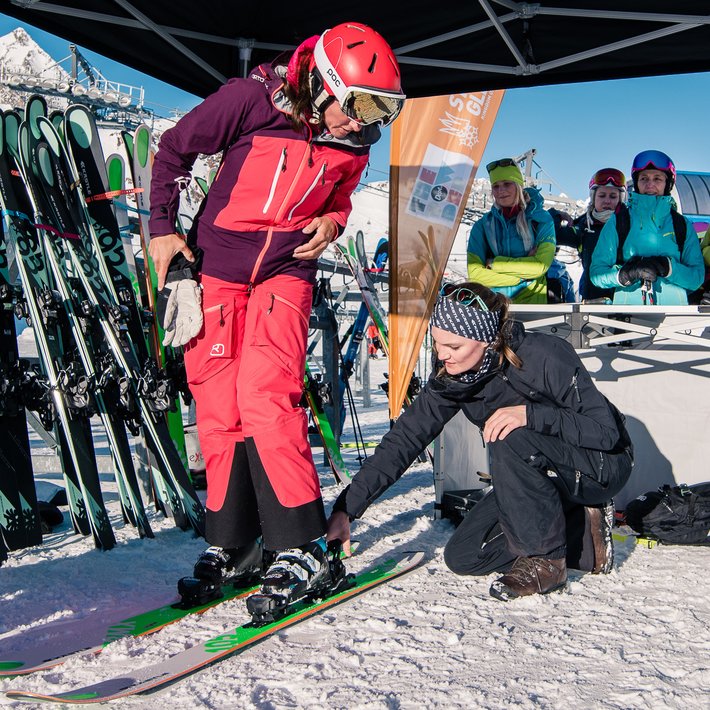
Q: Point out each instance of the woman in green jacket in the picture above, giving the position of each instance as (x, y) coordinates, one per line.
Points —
(512, 246)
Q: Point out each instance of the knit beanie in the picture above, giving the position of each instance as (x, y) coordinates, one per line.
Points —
(509, 173)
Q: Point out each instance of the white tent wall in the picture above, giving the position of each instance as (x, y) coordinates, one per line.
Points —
(661, 384)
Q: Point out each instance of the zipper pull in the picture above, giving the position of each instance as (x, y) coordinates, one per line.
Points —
(283, 164)
(483, 441)
(576, 389)
(221, 316)
(577, 476)
(271, 307)
(325, 165)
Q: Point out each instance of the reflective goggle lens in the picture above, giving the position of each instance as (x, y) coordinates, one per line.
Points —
(608, 176)
(367, 108)
(502, 163)
(652, 159)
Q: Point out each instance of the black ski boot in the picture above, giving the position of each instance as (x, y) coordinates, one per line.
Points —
(301, 573)
(217, 566)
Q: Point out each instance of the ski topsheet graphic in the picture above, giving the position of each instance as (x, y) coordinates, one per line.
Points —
(68, 405)
(54, 175)
(221, 646)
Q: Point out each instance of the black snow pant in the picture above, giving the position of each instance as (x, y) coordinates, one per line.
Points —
(541, 485)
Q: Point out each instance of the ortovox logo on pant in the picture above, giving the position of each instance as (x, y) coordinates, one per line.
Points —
(217, 350)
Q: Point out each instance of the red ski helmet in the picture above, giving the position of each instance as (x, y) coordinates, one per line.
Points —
(354, 64)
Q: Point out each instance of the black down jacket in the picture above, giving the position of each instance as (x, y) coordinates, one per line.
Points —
(561, 400)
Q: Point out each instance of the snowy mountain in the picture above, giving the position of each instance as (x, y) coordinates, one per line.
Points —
(21, 56)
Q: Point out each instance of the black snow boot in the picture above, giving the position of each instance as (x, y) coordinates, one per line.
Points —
(218, 566)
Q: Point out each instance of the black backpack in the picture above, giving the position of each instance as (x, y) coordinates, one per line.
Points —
(623, 225)
(678, 515)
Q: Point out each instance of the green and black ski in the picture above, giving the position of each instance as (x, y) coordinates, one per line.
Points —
(67, 406)
(88, 267)
(224, 645)
(19, 519)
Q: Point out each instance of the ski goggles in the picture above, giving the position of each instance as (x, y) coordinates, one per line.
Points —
(653, 159)
(464, 296)
(367, 106)
(608, 176)
(502, 163)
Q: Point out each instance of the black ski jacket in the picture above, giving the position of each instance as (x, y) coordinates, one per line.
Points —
(561, 400)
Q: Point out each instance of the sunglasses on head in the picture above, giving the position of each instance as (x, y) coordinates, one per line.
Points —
(502, 163)
(464, 296)
(608, 176)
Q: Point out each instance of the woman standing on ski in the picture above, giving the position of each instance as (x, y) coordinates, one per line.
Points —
(558, 448)
(295, 137)
(649, 254)
(607, 192)
(511, 248)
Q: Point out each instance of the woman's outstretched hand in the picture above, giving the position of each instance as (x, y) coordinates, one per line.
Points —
(339, 529)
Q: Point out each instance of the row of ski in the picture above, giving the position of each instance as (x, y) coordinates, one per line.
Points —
(67, 238)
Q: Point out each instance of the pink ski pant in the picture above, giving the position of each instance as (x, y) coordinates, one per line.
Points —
(245, 370)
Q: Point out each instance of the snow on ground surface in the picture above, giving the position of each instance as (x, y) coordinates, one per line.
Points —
(637, 638)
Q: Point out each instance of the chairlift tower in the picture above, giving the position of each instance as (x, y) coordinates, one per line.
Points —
(76, 80)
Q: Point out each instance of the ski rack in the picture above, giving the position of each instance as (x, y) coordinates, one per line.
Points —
(323, 319)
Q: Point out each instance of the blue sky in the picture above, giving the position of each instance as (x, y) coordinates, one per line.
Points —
(576, 128)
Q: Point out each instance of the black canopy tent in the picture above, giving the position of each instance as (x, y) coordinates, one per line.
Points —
(466, 46)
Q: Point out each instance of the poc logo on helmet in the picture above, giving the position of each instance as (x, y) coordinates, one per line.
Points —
(333, 76)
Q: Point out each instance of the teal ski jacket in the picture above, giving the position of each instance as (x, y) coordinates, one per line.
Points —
(517, 269)
(651, 234)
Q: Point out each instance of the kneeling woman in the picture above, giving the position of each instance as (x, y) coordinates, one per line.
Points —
(559, 449)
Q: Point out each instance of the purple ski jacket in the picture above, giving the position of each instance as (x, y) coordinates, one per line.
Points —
(272, 180)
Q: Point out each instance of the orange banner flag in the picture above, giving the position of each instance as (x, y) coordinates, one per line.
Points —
(436, 146)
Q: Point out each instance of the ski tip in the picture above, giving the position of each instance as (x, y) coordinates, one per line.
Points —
(11, 668)
(67, 698)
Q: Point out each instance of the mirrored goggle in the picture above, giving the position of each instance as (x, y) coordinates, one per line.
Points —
(608, 177)
(366, 108)
(464, 296)
(502, 163)
(652, 159)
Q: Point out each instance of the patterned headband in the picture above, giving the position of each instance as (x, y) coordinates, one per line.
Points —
(467, 321)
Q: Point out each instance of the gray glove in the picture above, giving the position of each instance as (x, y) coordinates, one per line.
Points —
(182, 320)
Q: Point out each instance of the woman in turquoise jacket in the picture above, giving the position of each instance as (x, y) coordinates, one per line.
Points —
(512, 246)
(653, 271)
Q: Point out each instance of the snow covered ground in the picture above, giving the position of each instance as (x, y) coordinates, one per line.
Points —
(636, 638)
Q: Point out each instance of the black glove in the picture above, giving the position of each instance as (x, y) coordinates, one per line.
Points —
(653, 267)
(629, 272)
(643, 268)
